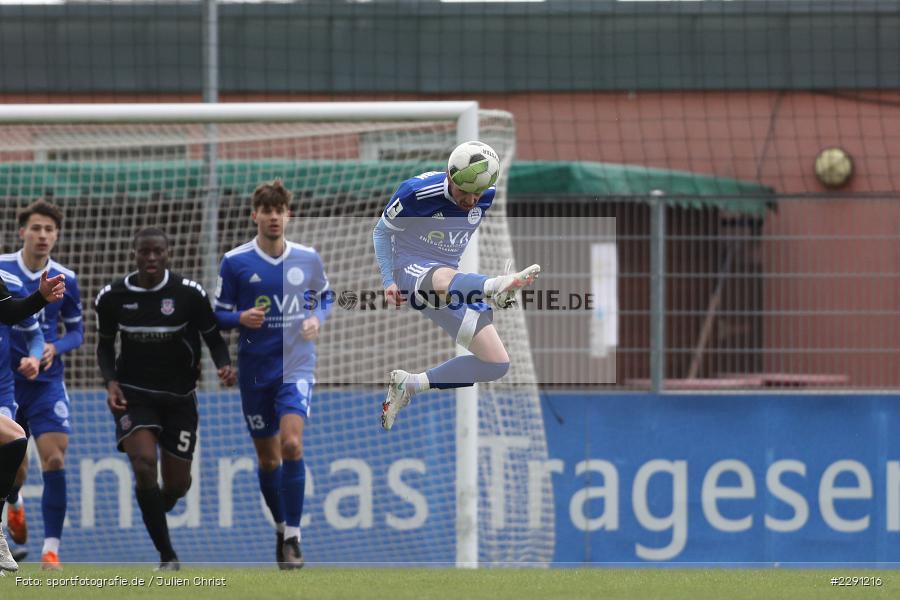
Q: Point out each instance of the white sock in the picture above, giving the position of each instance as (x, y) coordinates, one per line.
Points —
(51, 545)
(290, 532)
(417, 382)
(279, 527)
(17, 504)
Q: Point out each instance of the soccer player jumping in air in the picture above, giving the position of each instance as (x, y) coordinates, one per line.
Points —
(276, 292)
(151, 385)
(419, 240)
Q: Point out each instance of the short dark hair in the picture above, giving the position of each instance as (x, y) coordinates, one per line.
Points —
(272, 194)
(41, 207)
(148, 232)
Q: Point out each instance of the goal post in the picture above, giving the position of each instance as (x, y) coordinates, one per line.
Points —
(94, 159)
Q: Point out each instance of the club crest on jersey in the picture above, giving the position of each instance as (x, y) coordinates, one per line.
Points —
(125, 422)
(61, 409)
(474, 215)
(295, 276)
(168, 306)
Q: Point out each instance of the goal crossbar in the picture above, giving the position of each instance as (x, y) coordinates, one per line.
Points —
(236, 112)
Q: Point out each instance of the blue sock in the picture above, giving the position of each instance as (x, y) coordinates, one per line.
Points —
(467, 288)
(53, 503)
(293, 487)
(463, 371)
(270, 485)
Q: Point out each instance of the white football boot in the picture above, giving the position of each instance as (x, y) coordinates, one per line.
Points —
(397, 397)
(501, 290)
(6, 560)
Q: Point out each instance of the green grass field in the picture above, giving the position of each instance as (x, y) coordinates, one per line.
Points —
(487, 584)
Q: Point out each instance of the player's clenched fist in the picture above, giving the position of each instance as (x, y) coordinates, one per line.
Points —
(393, 295)
(115, 399)
(228, 376)
(253, 318)
(29, 367)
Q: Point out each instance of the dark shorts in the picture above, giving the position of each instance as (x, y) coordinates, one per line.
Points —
(173, 418)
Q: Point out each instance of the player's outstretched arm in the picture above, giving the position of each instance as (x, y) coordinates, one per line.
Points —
(12, 310)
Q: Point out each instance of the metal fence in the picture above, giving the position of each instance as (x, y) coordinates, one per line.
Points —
(802, 295)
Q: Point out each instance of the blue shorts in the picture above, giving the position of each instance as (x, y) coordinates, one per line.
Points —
(460, 321)
(8, 406)
(43, 407)
(264, 406)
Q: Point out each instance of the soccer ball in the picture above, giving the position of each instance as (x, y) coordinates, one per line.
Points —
(834, 167)
(473, 167)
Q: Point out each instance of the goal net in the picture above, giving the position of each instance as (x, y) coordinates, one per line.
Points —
(371, 497)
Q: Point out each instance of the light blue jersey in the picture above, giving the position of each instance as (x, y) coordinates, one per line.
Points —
(68, 312)
(291, 288)
(426, 223)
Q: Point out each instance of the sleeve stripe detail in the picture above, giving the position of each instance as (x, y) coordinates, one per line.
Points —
(67, 272)
(394, 227)
(8, 277)
(31, 328)
(223, 305)
(246, 247)
(72, 319)
(100, 294)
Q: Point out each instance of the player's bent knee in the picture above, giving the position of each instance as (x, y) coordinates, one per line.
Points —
(269, 464)
(144, 468)
(291, 449)
(54, 463)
